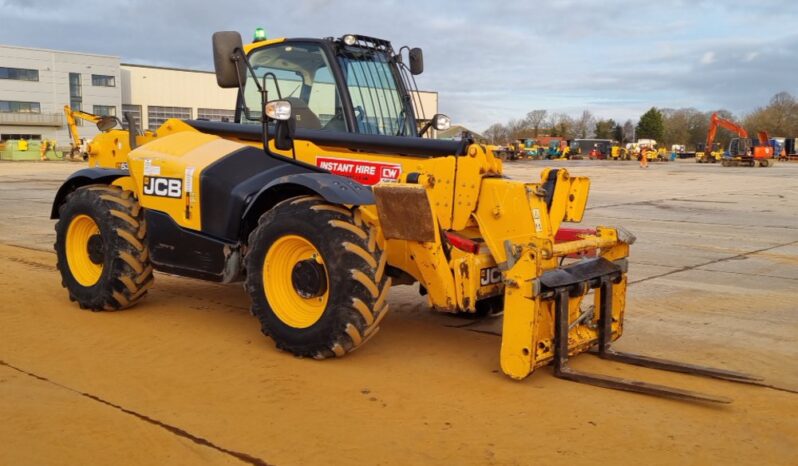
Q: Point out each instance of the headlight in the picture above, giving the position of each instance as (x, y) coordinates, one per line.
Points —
(441, 122)
(278, 109)
(350, 39)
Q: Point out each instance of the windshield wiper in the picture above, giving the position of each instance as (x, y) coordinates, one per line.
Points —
(402, 118)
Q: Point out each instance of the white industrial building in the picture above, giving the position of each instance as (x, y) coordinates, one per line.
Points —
(35, 84)
(155, 94)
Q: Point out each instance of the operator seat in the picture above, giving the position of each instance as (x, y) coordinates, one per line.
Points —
(305, 118)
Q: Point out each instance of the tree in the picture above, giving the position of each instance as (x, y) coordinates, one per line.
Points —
(651, 125)
(779, 118)
(583, 124)
(617, 133)
(677, 125)
(561, 125)
(535, 120)
(517, 128)
(496, 133)
(629, 131)
(605, 129)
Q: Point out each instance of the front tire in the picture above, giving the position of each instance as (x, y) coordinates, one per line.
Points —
(316, 276)
(101, 248)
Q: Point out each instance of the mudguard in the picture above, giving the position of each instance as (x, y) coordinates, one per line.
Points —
(335, 189)
(84, 177)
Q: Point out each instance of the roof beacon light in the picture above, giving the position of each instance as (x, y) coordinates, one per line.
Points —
(350, 39)
(260, 34)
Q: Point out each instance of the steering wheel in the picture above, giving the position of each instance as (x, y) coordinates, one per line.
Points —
(337, 122)
(360, 114)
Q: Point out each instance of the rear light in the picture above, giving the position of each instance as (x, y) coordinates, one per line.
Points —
(461, 242)
(574, 234)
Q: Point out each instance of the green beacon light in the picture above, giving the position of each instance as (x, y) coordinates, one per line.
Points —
(260, 34)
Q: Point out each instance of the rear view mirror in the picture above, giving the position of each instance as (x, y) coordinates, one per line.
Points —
(416, 61)
(225, 45)
(106, 123)
(284, 134)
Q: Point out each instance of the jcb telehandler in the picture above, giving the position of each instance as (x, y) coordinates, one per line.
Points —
(323, 193)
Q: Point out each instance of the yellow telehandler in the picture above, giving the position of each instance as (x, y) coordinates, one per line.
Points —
(322, 194)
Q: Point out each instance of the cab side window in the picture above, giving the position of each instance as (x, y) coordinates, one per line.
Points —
(300, 74)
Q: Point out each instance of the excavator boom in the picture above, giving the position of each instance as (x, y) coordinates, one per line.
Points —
(716, 121)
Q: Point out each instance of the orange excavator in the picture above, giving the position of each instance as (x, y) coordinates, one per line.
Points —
(741, 151)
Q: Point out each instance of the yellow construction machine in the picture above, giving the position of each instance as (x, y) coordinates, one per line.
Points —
(79, 147)
(322, 194)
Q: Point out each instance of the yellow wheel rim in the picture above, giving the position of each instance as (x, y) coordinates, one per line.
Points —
(81, 230)
(279, 284)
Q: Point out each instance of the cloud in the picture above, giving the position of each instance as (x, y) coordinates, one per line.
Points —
(489, 62)
(708, 58)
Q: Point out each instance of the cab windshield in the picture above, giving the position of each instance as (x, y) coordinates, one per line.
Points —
(378, 105)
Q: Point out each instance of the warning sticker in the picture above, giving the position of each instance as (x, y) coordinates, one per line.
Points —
(362, 171)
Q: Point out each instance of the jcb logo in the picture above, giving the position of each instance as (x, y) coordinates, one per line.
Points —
(490, 276)
(163, 187)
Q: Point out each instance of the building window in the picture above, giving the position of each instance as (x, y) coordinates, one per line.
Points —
(103, 80)
(20, 74)
(156, 115)
(29, 137)
(104, 110)
(134, 111)
(215, 114)
(75, 87)
(76, 95)
(10, 106)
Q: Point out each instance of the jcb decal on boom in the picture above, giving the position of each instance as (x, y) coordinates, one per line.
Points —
(163, 187)
(362, 171)
(490, 276)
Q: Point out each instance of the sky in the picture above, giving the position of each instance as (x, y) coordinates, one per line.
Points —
(489, 61)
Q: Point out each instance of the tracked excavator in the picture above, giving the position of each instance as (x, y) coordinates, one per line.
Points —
(741, 152)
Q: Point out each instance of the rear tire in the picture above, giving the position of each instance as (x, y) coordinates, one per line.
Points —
(101, 248)
(308, 237)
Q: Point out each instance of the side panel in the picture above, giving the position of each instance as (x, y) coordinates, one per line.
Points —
(167, 173)
(189, 253)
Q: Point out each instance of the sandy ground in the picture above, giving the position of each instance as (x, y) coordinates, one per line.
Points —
(186, 376)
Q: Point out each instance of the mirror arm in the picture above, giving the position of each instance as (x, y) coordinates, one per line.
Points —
(244, 107)
(238, 56)
(425, 128)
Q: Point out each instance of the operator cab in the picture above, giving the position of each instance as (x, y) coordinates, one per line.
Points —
(354, 92)
(353, 84)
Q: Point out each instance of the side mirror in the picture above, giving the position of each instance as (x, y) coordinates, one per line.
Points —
(284, 134)
(106, 123)
(225, 47)
(416, 61)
